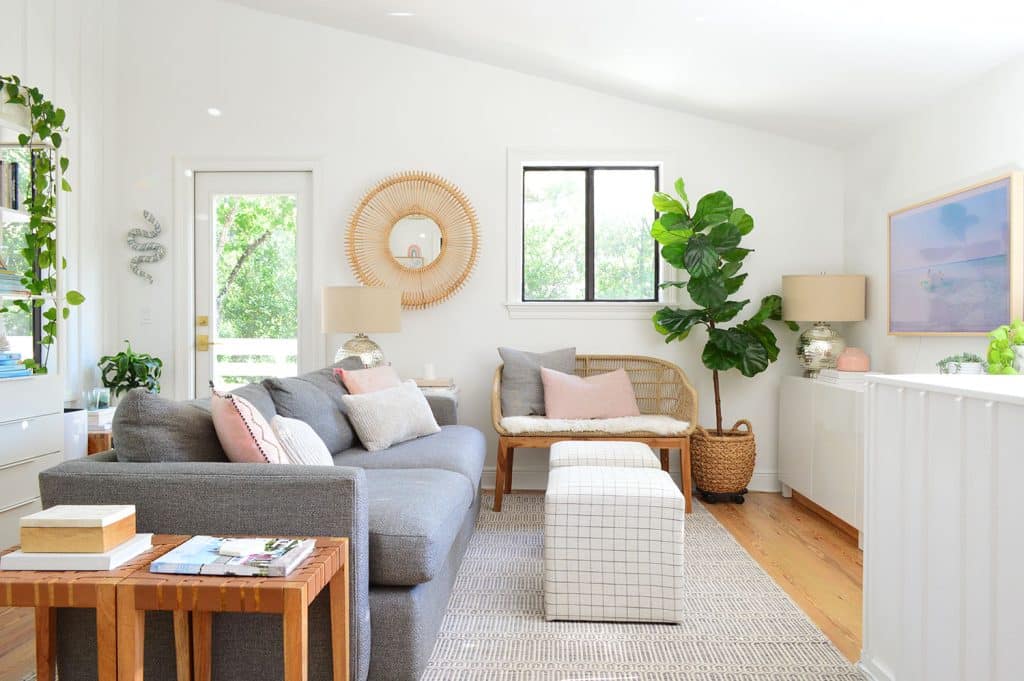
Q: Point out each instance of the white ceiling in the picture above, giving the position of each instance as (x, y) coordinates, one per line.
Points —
(819, 70)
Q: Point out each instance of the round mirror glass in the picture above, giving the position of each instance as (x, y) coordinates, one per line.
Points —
(415, 241)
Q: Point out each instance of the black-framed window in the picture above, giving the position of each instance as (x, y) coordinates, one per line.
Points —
(586, 234)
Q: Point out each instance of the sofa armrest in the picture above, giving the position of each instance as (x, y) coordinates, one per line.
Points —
(445, 407)
(233, 498)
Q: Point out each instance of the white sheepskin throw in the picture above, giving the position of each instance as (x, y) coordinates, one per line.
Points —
(649, 423)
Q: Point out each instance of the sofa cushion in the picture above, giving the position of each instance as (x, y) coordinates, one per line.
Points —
(300, 398)
(244, 433)
(148, 428)
(459, 449)
(388, 417)
(414, 516)
(522, 392)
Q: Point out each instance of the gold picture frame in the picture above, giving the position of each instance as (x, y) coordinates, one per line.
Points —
(403, 195)
(1014, 183)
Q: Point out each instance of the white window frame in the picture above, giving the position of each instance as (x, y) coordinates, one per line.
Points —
(520, 158)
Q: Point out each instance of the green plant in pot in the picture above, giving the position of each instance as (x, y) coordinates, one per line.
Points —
(705, 242)
(129, 369)
(1006, 349)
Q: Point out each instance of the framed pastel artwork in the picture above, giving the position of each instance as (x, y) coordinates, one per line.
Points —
(956, 262)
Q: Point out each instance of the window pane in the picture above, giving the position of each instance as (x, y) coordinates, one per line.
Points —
(554, 234)
(257, 320)
(623, 246)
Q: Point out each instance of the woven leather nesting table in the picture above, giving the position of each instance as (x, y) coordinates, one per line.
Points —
(46, 591)
(201, 596)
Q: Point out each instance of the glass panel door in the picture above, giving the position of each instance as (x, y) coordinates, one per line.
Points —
(247, 276)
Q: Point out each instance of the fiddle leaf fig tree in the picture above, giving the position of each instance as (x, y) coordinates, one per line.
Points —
(705, 242)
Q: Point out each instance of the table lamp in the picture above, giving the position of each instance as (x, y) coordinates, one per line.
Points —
(820, 299)
(361, 310)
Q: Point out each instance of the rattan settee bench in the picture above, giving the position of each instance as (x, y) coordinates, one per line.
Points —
(668, 408)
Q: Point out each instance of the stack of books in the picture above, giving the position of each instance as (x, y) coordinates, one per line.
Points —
(435, 382)
(10, 281)
(9, 194)
(77, 538)
(240, 557)
(853, 379)
(101, 419)
(11, 366)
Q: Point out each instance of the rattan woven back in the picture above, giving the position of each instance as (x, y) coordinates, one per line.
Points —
(661, 387)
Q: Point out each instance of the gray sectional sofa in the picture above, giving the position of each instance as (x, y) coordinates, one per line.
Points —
(409, 512)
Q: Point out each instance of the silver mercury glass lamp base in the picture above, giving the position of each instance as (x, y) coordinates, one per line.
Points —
(362, 347)
(819, 348)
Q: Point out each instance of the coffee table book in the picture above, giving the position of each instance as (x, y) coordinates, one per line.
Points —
(77, 529)
(78, 562)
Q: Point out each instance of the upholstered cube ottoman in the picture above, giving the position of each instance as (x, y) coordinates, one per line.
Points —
(613, 545)
(602, 453)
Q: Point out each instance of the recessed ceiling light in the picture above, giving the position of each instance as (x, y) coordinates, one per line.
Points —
(213, 111)
(401, 14)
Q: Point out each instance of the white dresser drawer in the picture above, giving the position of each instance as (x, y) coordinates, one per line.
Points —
(25, 397)
(29, 438)
(19, 482)
(10, 532)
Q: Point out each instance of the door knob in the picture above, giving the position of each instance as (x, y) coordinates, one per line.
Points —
(203, 342)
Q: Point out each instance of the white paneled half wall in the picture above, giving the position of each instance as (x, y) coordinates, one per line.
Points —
(943, 596)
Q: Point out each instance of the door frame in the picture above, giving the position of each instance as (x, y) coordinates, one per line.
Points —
(311, 346)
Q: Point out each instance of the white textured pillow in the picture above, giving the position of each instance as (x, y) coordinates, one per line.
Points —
(300, 442)
(387, 417)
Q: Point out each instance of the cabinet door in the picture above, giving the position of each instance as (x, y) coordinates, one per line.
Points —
(837, 450)
(796, 433)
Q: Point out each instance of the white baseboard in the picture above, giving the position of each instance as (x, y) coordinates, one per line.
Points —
(533, 479)
(873, 671)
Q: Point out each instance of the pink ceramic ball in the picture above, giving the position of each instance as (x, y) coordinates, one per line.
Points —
(853, 359)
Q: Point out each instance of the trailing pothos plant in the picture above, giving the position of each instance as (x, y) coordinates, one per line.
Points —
(43, 140)
(705, 242)
(1001, 343)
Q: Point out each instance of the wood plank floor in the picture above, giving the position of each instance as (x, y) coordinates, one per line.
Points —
(819, 566)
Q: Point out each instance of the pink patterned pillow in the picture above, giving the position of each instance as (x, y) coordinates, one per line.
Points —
(359, 381)
(243, 432)
(603, 396)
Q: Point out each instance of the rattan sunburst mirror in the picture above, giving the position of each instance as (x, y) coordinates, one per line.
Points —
(416, 232)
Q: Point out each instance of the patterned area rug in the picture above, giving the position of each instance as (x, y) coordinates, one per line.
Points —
(741, 625)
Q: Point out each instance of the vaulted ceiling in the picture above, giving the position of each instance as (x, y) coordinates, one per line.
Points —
(820, 70)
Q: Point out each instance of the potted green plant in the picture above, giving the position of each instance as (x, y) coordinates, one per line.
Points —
(1006, 349)
(128, 369)
(705, 242)
(963, 363)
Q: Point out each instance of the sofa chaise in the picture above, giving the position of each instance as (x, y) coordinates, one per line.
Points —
(409, 512)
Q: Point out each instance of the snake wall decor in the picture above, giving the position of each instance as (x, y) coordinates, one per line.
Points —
(154, 251)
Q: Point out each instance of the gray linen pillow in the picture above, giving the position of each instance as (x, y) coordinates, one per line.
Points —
(522, 392)
(300, 398)
(148, 428)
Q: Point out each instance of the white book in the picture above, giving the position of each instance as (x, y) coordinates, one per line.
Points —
(102, 417)
(65, 515)
(112, 559)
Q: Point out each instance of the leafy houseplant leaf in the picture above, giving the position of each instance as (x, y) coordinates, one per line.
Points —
(736, 254)
(672, 284)
(707, 291)
(127, 370)
(742, 220)
(733, 284)
(680, 187)
(725, 237)
(717, 359)
(667, 236)
(700, 258)
(676, 323)
(674, 254)
(663, 203)
(712, 210)
(727, 310)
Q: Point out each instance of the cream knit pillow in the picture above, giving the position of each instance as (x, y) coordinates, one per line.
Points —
(300, 442)
(387, 417)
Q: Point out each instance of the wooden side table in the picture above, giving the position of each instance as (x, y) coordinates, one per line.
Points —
(46, 591)
(204, 595)
(99, 441)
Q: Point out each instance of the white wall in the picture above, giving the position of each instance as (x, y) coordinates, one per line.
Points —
(367, 108)
(58, 46)
(972, 134)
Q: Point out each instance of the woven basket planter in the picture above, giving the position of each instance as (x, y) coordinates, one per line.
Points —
(723, 464)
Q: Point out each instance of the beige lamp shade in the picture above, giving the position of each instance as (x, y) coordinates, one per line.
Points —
(823, 297)
(361, 309)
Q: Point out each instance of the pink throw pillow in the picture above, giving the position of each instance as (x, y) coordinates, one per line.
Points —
(603, 396)
(243, 432)
(359, 381)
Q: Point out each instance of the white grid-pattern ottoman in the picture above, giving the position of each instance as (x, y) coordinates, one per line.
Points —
(602, 453)
(613, 545)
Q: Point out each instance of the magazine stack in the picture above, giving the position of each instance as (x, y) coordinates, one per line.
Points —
(238, 557)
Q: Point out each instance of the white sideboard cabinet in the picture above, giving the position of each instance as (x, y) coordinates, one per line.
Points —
(821, 445)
